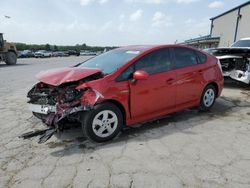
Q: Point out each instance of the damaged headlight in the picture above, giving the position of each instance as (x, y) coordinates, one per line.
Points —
(71, 95)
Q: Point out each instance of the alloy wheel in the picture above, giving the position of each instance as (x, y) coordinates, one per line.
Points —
(209, 97)
(105, 123)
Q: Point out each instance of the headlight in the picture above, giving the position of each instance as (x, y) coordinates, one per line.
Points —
(70, 95)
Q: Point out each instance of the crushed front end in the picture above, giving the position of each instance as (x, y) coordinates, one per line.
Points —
(60, 102)
(52, 104)
(235, 63)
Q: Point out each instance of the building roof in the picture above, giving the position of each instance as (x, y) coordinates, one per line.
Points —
(206, 38)
(235, 8)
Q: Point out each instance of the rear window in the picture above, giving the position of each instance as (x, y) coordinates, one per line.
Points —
(185, 57)
(242, 43)
(202, 58)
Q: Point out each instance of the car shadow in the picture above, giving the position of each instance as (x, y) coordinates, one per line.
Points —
(233, 84)
(72, 141)
(2, 65)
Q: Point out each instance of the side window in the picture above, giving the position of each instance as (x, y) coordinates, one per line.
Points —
(185, 57)
(155, 62)
(201, 57)
(127, 74)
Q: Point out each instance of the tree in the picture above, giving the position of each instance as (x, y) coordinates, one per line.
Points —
(47, 47)
(55, 48)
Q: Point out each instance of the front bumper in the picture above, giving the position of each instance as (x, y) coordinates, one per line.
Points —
(240, 67)
(42, 109)
(53, 116)
(238, 75)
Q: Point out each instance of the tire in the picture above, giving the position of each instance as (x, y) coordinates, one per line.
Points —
(11, 58)
(103, 123)
(208, 98)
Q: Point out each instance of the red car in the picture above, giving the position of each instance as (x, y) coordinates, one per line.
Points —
(126, 86)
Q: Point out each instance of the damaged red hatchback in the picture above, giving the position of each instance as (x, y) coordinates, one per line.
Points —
(125, 86)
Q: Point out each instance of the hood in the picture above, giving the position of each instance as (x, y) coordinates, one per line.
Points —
(60, 76)
(231, 51)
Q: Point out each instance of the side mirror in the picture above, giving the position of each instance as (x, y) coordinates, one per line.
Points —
(140, 75)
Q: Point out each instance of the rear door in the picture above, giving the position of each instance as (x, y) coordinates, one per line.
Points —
(189, 75)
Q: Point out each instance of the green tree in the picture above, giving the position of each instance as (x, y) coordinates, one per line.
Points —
(47, 47)
(55, 48)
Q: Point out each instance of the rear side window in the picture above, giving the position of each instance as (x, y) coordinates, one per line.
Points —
(185, 57)
(202, 58)
(155, 62)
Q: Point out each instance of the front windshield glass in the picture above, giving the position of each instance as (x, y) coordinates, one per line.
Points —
(242, 43)
(110, 61)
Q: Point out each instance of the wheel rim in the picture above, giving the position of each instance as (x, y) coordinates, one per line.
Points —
(105, 123)
(208, 98)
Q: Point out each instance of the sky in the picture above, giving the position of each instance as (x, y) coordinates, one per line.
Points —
(108, 22)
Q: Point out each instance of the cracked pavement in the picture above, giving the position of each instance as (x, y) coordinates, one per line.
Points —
(185, 149)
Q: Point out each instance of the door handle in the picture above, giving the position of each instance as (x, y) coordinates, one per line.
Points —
(200, 71)
(169, 81)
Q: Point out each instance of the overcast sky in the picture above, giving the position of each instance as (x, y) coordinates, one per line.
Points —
(108, 22)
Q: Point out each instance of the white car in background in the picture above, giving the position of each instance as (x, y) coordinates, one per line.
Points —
(43, 53)
(235, 60)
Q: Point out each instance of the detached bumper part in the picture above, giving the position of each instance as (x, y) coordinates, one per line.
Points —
(45, 135)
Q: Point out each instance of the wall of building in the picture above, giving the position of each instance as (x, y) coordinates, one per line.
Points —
(244, 23)
(224, 27)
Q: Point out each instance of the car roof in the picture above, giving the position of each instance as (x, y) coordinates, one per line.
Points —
(245, 39)
(143, 48)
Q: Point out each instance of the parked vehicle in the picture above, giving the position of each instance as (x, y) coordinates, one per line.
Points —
(26, 54)
(59, 54)
(42, 53)
(73, 52)
(88, 53)
(8, 51)
(125, 86)
(235, 61)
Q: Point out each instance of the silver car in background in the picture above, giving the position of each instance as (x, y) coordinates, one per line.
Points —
(235, 61)
(42, 53)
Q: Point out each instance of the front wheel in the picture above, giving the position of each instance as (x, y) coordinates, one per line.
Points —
(11, 58)
(102, 123)
(208, 98)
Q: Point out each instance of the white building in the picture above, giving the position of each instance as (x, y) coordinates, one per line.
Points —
(232, 25)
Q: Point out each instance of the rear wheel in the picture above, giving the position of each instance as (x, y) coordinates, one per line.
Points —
(11, 58)
(208, 98)
(102, 123)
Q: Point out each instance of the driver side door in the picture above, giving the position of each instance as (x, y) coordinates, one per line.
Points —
(156, 95)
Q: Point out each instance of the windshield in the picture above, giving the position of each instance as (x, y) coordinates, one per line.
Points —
(110, 61)
(242, 43)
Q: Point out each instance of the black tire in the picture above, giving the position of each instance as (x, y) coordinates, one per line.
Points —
(11, 58)
(205, 103)
(88, 119)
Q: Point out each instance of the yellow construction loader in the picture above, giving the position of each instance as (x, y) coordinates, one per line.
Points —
(8, 52)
